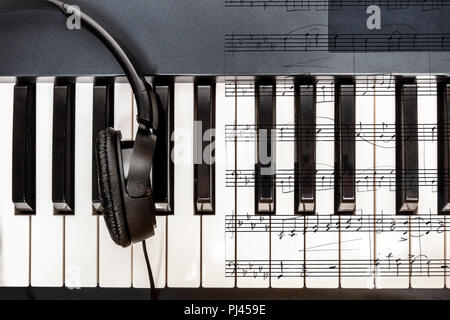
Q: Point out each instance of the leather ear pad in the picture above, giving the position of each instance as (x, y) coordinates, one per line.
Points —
(109, 186)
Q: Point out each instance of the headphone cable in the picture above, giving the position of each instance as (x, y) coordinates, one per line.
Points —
(153, 293)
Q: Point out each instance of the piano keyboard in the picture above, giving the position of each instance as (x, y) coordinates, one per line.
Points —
(350, 188)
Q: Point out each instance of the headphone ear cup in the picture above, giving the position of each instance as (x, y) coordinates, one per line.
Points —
(110, 190)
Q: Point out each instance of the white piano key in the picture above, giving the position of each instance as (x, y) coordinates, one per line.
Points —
(47, 229)
(14, 230)
(114, 261)
(82, 227)
(286, 243)
(183, 269)
(392, 245)
(357, 234)
(427, 236)
(392, 236)
(322, 246)
(215, 250)
(285, 155)
(385, 145)
(287, 258)
(251, 246)
(427, 251)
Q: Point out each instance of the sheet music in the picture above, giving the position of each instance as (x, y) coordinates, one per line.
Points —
(387, 263)
(317, 29)
(378, 247)
(385, 83)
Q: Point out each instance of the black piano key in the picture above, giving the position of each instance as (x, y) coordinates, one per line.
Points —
(305, 148)
(63, 189)
(407, 180)
(204, 172)
(265, 194)
(103, 117)
(443, 123)
(162, 170)
(24, 149)
(345, 149)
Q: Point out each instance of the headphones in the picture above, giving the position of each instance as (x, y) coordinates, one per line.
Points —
(123, 166)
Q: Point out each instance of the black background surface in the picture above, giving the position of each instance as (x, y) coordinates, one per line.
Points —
(184, 37)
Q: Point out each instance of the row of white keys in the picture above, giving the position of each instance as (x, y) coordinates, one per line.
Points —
(123, 267)
(14, 229)
(410, 249)
(427, 242)
(252, 247)
(115, 262)
(183, 247)
(213, 249)
(322, 247)
(357, 243)
(216, 248)
(63, 249)
(286, 241)
(81, 229)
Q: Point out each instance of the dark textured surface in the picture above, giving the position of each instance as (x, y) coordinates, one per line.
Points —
(183, 37)
(109, 187)
(222, 294)
(397, 18)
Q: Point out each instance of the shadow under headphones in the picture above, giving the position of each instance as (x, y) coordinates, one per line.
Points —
(123, 167)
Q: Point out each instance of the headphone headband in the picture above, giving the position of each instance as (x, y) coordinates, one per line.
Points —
(147, 114)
